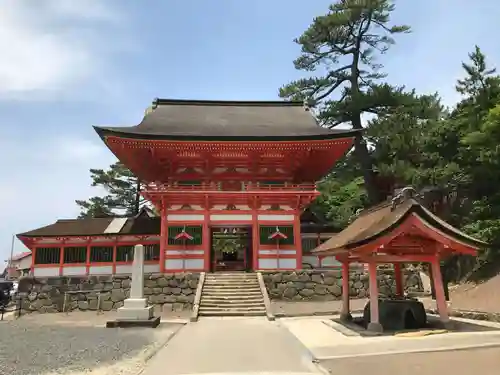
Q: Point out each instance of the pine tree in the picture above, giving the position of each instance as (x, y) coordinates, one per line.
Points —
(340, 47)
(123, 193)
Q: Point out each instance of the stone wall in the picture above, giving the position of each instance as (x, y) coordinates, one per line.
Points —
(315, 285)
(55, 294)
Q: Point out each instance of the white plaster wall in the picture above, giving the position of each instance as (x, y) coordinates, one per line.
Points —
(123, 268)
(100, 270)
(276, 217)
(173, 264)
(181, 217)
(187, 252)
(268, 263)
(284, 252)
(194, 264)
(222, 217)
(74, 271)
(46, 272)
(287, 263)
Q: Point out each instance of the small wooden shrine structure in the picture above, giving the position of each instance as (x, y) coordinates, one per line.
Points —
(397, 231)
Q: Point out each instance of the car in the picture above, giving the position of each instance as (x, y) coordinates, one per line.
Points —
(13, 290)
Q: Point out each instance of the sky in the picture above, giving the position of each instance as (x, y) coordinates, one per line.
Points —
(68, 65)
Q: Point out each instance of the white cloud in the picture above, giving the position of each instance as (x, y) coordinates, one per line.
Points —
(46, 46)
(56, 50)
(88, 9)
(41, 180)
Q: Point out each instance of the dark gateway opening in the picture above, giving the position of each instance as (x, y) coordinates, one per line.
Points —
(231, 249)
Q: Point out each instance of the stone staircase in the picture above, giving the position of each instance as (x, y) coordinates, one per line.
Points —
(232, 294)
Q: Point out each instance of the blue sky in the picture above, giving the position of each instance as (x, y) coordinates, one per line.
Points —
(67, 65)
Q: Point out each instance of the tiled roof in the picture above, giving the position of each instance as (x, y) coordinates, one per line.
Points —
(226, 120)
(95, 226)
(383, 218)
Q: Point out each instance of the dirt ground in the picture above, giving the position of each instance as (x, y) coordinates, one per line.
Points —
(478, 297)
(462, 362)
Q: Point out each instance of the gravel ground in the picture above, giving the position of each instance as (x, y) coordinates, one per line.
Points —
(66, 344)
(462, 362)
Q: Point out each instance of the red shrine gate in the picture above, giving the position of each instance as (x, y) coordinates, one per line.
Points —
(236, 164)
(208, 167)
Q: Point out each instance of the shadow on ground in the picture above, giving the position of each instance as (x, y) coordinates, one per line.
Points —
(357, 327)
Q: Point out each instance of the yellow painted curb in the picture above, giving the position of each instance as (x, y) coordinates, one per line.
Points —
(422, 333)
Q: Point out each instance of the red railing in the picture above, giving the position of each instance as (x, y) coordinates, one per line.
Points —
(243, 187)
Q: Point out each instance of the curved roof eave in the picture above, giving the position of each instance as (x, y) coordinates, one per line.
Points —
(128, 132)
(426, 216)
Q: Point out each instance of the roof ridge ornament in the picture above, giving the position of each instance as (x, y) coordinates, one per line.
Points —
(151, 108)
(406, 193)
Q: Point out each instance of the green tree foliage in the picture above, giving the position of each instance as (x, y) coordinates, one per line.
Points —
(122, 196)
(451, 155)
(338, 50)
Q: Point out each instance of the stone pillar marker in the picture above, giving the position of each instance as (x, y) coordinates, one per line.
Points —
(137, 284)
(135, 311)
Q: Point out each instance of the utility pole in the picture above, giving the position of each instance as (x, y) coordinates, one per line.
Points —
(10, 258)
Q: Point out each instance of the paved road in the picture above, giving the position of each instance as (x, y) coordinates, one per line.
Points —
(216, 345)
(463, 362)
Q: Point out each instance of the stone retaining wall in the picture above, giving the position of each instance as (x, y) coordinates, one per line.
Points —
(315, 285)
(173, 291)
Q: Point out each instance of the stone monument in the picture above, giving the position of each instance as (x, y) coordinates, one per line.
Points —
(135, 311)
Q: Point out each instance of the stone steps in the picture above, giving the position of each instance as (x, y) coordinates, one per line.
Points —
(229, 305)
(240, 288)
(235, 299)
(235, 312)
(232, 294)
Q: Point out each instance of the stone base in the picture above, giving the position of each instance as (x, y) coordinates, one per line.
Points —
(135, 309)
(449, 325)
(375, 327)
(148, 323)
(346, 317)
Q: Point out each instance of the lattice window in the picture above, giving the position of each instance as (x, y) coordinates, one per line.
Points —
(193, 230)
(267, 230)
(48, 255)
(125, 253)
(101, 254)
(189, 183)
(75, 254)
(152, 252)
(308, 244)
(272, 183)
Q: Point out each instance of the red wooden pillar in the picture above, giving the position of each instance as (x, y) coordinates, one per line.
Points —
(206, 242)
(398, 276)
(298, 242)
(87, 261)
(255, 241)
(33, 255)
(115, 245)
(345, 313)
(374, 324)
(61, 259)
(163, 236)
(439, 290)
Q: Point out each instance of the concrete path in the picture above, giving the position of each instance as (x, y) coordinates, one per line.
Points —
(218, 345)
(463, 362)
(324, 342)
